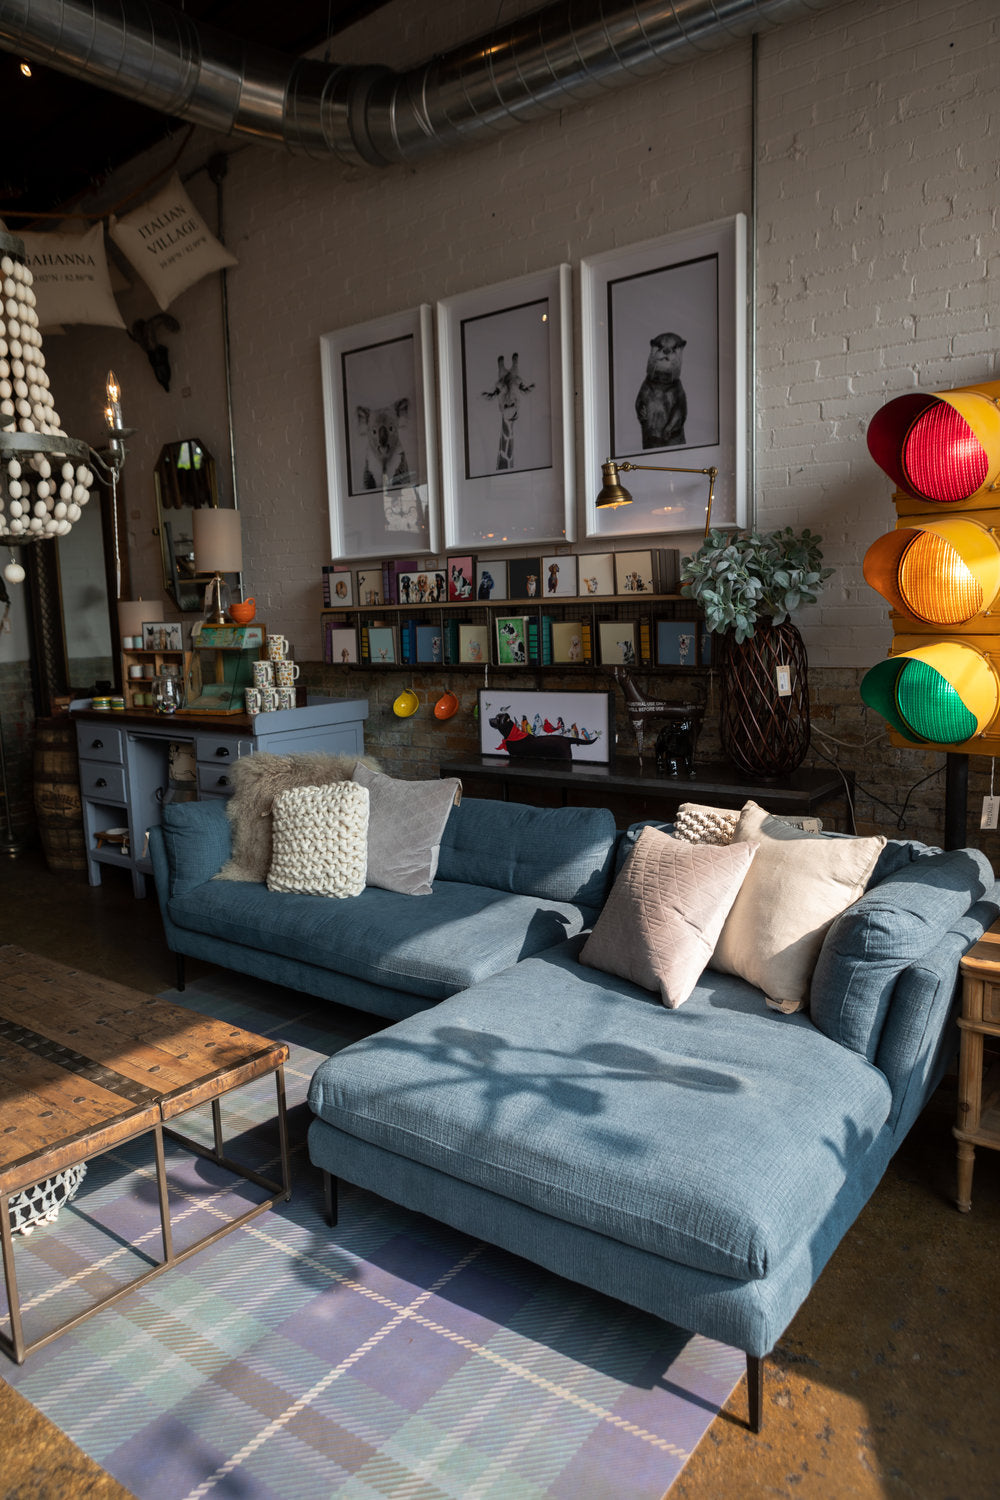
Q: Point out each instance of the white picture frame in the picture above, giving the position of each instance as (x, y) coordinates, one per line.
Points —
(688, 286)
(498, 411)
(382, 479)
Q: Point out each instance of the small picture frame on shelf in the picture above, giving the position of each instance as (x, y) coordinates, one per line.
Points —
(370, 586)
(397, 580)
(523, 577)
(461, 578)
(474, 644)
(559, 577)
(677, 643)
(382, 646)
(491, 578)
(342, 645)
(428, 643)
(338, 587)
(568, 641)
(512, 640)
(617, 642)
(634, 573)
(159, 636)
(596, 573)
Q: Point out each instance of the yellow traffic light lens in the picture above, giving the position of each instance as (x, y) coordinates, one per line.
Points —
(943, 458)
(935, 582)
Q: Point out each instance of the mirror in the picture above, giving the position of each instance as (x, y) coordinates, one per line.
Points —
(185, 481)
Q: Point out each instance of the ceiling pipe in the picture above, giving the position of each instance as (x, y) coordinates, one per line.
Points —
(564, 54)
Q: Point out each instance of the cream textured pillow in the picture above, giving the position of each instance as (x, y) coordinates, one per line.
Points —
(320, 840)
(705, 825)
(405, 827)
(798, 883)
(665, 912)
(70, 278)
(169, 243)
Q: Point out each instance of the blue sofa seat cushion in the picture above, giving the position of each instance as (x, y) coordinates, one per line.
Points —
(430, 946)
(708, 1135)
(563, 853)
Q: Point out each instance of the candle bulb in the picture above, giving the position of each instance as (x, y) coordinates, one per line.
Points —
(113, 410)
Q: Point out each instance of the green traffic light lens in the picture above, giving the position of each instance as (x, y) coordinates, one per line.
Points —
(931, 707)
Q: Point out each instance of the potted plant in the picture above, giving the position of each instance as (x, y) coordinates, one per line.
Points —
(748, 584)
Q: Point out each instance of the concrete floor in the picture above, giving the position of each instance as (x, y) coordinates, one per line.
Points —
(885, 1384)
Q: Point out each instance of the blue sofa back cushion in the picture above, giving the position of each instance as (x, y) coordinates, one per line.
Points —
(198, 839)
(897, 921)
(561, 853)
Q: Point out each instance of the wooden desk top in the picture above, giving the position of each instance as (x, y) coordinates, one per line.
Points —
(984, 957)
(86, 1063)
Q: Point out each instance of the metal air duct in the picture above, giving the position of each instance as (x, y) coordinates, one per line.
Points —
(563, 54)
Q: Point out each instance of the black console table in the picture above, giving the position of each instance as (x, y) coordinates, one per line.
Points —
(622, 785)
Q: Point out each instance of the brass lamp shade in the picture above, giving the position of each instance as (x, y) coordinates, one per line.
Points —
(613, 492)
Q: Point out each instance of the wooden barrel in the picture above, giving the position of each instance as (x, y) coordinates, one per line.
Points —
(57, 794)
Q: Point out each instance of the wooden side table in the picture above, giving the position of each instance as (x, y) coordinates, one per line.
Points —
(978, 1098)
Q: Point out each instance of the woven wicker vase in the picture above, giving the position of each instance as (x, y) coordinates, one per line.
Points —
(765, 735)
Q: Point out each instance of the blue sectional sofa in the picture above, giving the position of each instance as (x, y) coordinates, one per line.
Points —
(700, 1163)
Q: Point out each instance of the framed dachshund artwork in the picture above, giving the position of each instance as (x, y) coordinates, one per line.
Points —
(540, 728)
(381, 442)
(664, 379)
(506, 379)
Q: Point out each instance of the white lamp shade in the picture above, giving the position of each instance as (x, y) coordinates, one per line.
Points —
(133, 614)
(218, 545)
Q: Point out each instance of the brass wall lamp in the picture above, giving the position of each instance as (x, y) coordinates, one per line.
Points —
(613, 493)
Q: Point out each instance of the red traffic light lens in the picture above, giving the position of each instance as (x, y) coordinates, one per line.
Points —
(942, 457)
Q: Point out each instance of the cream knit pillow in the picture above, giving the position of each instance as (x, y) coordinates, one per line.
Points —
(320, 840)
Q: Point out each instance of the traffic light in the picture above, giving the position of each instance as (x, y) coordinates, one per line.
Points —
(940, 570)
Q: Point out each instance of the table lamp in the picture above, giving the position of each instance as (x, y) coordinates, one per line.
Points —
(218, 549)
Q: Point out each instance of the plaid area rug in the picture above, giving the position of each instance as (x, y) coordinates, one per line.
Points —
(390, 1357)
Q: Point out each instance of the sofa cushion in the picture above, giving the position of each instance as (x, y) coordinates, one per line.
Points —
(796, 886)
(892, 925)
(197, 839)
(406, 821)
(562, 853)
(709, 1135)
(665, 912)
(448, 940)
(320, 840)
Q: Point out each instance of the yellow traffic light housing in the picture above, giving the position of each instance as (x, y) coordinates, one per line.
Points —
(940, 570)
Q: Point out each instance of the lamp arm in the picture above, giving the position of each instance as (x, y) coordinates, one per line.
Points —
(711, 474)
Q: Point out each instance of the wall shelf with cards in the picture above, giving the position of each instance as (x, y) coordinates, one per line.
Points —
(655, 632)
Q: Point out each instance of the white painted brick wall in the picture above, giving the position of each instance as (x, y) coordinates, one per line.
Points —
(876, 234)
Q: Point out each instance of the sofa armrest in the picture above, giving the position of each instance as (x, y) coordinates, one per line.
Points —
(195, 842)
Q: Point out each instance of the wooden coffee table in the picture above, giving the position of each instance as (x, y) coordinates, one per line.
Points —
(85, 1065)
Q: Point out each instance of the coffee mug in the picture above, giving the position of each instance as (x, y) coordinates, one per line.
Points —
(285, 696)
(251, 699)
(285, 673)
(268, 700)
(277, 645)
(263, 674)
(135, 671)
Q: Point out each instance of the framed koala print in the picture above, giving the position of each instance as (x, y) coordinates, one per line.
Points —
(381, 445)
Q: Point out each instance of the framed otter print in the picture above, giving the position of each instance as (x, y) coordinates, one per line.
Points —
(381, 443)
(664, 379)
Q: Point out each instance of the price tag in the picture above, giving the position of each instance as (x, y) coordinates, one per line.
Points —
(783, 676)
(991, 812)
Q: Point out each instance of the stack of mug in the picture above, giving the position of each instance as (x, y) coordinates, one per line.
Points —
(273, 680)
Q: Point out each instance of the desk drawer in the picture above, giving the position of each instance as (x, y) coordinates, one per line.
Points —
(220, 750)
(102, 783)
(214, 781)
(94, 742)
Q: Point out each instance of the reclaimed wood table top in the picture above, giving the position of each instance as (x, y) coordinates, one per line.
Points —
(86, 1063)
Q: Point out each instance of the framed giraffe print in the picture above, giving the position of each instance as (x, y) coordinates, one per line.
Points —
(506, 382)
(381, 437)
(664, 379)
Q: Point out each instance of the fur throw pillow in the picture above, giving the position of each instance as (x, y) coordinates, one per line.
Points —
(257, 779)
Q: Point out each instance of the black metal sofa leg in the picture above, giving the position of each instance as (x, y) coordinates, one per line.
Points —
(755, 1391)
(330, 1205)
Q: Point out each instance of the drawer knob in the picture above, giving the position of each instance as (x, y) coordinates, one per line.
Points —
(97, 744)
(100, 781)
(223, 750)
(222, 781)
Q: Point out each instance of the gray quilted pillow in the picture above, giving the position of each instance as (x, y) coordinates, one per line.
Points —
(406, 821)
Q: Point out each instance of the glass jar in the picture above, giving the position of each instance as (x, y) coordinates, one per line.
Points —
(167, 693)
